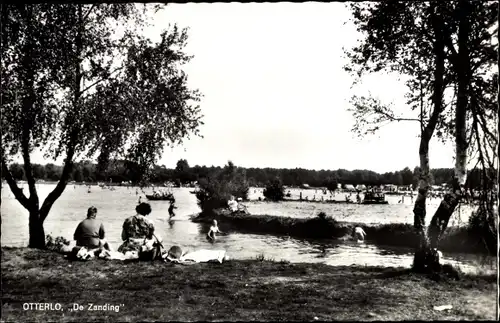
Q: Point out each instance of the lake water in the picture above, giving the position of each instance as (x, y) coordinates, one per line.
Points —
(116, 205)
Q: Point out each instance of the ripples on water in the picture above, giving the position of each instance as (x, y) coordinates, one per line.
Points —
(116, 205)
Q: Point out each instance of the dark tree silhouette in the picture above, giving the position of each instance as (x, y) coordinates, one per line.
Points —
(73, 88)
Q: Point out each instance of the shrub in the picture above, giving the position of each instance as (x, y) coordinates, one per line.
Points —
(215, 192)
(322, 215)
(483, 227)
(274, 190)
(55, 244)
(331, 184)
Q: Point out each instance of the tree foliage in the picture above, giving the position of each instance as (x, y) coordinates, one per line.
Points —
(274, 190)
(73, 87)
(398, 37)
(332, 182)
(125, 171)
(216, 190)
(183, 174)
(446, 51)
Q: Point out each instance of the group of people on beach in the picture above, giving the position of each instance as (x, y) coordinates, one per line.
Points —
(161, 193)
(138, 233)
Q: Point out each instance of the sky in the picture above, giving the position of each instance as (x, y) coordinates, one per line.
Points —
(276, 95)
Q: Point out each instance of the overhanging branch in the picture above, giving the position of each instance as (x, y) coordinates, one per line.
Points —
(88, 12)
(61, 185)
(18, 193)
(102, 79)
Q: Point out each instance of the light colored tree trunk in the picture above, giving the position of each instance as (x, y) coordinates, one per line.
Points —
(422, 254)
(419, 209)
(450, 201)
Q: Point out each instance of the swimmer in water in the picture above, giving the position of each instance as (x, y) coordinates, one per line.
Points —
(358, 234)
(171, 208)
(213, 230)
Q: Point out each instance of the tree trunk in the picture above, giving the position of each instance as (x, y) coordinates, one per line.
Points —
(37, 214)
(450, 201)
(423, 255)
(36, 231)
(442, 216)
(496, 190)
(419, 209)
(1, 187)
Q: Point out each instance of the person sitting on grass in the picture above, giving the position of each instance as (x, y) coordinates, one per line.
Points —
(213, 230)
(90, 232)
(232, 204)
(240, 207)
(138, 234)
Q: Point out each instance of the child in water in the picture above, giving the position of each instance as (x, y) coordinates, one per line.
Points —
(358, 234)
(213, 230)
(171, 208)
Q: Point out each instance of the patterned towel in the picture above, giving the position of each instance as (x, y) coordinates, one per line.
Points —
(85, 254)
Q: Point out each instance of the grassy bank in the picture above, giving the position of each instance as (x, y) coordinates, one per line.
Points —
(455, 239)
(232, 291)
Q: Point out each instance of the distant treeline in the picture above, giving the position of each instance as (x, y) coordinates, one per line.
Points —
(121, 171)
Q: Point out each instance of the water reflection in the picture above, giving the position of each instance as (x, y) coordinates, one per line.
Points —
(116, 205)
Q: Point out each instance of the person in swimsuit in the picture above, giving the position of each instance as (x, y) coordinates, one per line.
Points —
(359, 234)
(213, 230)
(171, 208)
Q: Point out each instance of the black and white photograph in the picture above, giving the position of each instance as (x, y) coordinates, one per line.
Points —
(260, 161)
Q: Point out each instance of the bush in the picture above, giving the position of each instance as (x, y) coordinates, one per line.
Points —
(55, 244)
(274, 190)
(322, 215)
(482, 226)
(215, 192)
(331, 184)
